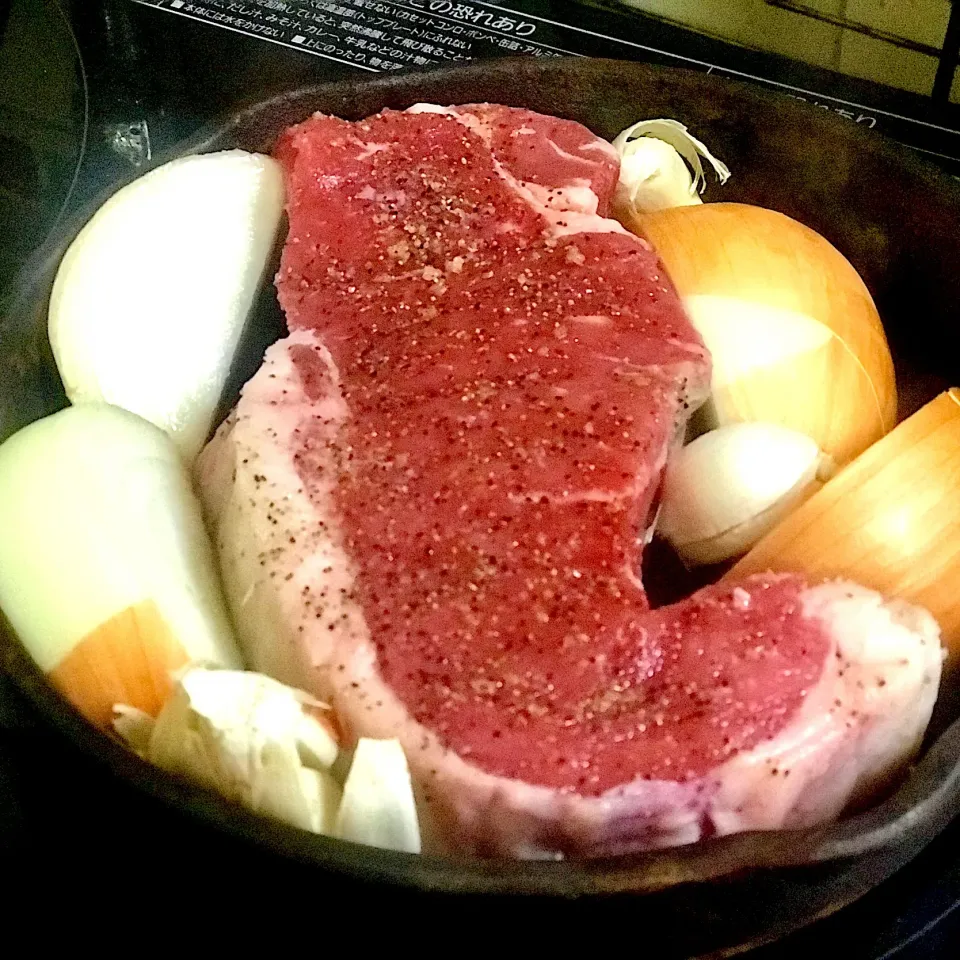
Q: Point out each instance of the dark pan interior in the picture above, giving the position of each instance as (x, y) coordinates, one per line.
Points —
(894, 217)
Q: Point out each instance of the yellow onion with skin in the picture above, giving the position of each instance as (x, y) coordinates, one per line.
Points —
(793, 331)
(889, 520)
(106, 571)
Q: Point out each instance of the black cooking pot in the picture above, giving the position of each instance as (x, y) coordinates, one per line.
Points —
(893, 216)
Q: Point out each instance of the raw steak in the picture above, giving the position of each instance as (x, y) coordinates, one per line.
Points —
(431, 501)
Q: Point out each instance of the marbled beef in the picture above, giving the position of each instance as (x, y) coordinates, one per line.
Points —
(431, 502)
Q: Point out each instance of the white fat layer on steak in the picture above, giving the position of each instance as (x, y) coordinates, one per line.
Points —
(567, 210)
(867, 712)
(249, 477)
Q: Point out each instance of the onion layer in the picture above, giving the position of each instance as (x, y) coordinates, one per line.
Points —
(889, 520)
(794, 334)
(150, 300)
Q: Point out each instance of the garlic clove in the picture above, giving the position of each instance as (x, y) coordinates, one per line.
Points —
(727, 488)
(235, 701)
(653, 176)
(253, 740)
(378, 807)
(297, 795)
(889, 520)
(661, 167)
(784, 315)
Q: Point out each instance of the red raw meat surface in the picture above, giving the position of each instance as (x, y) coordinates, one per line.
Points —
(515, 378)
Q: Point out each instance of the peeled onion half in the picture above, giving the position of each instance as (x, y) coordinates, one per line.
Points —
(151, 298)
(795, 337)
(106, 572)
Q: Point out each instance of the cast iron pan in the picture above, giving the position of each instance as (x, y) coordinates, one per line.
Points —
(894, 217)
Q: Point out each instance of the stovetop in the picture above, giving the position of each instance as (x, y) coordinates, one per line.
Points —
(90, 91)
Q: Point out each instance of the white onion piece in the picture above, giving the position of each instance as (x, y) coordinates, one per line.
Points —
(727, 488)
(106, 571)
(151, 298)
(378, 807)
